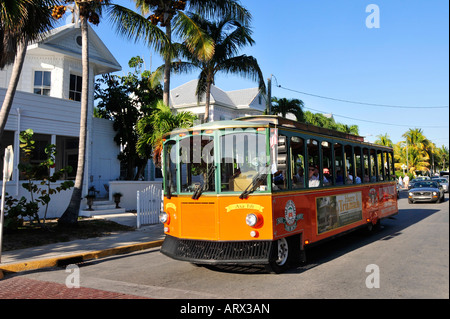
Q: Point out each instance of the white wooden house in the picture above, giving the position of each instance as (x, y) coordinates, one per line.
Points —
(47, 100)
(224, 105)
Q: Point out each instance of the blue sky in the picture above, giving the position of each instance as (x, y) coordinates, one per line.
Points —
(325, 48)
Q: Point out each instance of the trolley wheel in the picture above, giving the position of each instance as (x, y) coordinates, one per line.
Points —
(374, 227)
(285, 253)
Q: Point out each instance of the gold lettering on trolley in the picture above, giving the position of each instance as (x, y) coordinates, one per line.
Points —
(244, 206)
(171, 205)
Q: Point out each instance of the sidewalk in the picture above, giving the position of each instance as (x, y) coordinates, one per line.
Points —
(65, 253)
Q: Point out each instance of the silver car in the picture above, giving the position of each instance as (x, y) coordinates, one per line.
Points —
(443, 182)
(426, 191)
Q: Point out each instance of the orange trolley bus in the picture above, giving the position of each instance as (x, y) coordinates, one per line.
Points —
(260, 189)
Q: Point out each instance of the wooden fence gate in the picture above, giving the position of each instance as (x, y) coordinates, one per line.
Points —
(149, 205)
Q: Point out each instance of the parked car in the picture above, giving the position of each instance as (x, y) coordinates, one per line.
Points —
(426, 191)
(443, 182)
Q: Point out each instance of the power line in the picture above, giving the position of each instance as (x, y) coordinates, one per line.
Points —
(363, 103)
(375, 122)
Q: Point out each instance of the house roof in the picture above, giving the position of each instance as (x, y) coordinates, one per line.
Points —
(184, 96)
(63, 40)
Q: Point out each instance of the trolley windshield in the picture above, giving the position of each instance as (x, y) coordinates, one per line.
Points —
(220, 161)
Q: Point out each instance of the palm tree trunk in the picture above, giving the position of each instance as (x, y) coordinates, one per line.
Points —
(11, 91)
(207, 100)
(167, 64)
(70, 216)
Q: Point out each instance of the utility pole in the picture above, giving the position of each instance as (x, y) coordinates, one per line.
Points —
(269, 95)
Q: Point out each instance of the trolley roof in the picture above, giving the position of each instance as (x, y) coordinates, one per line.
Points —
(272, 121)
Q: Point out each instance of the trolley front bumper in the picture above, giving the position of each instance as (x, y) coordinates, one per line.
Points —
(217, 252)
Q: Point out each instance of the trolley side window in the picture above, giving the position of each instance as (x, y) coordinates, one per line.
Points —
(391, 166)
(339, 164)
(170, 168)
(314, 174)
(358, 164)
(297, 147)
(279, 176)
(327, 163)
(373, 166)
(349, 165)
(380, 162)
(366, 178)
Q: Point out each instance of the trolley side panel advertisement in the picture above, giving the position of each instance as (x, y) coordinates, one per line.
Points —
(338, 210)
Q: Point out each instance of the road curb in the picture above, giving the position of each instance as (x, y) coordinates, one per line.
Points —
(75, 258)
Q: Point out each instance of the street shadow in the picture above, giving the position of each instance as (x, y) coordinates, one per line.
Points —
(336, 247)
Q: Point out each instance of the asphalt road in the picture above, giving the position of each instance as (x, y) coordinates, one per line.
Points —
(407, 258)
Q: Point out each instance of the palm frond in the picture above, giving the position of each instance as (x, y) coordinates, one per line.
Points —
(211, 9)
(244, 66)
(196, 40)
(132, 25)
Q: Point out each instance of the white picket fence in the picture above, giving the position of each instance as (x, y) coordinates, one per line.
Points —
(149, 205)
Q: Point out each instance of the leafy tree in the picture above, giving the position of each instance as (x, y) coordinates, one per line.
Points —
(152, 128)
(21, 21)
(320, 120)
(283, 106)
(229, 35)
(384, 140)
(413, 151)
(167, 14)
(125, 100)
(349, 129)
(443, 157)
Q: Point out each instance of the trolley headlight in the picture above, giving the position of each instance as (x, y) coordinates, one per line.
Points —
(252, 220)
(163, 217)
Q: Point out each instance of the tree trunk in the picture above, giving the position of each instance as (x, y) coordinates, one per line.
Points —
(207, 99)
(11, 91)
(70, 216)
(167, 62)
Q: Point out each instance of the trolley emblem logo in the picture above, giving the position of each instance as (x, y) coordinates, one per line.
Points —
(290, 218)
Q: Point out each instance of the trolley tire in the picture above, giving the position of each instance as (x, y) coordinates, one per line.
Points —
(285, 252)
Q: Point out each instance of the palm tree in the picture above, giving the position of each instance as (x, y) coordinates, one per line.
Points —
(283, 106)
(444, 157)
(164, 13)
(318, 119)
(349, 129)
(384, 140)
(228, 35)
(152, 128)
(88, 9)
(416, 145)
(21, 21)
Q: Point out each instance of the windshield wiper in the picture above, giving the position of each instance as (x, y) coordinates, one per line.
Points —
(256, 182)
(199, 190)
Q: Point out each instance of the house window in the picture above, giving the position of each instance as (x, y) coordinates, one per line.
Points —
(37, 156)
(67, 155)
(42, 82)
(75, 88)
